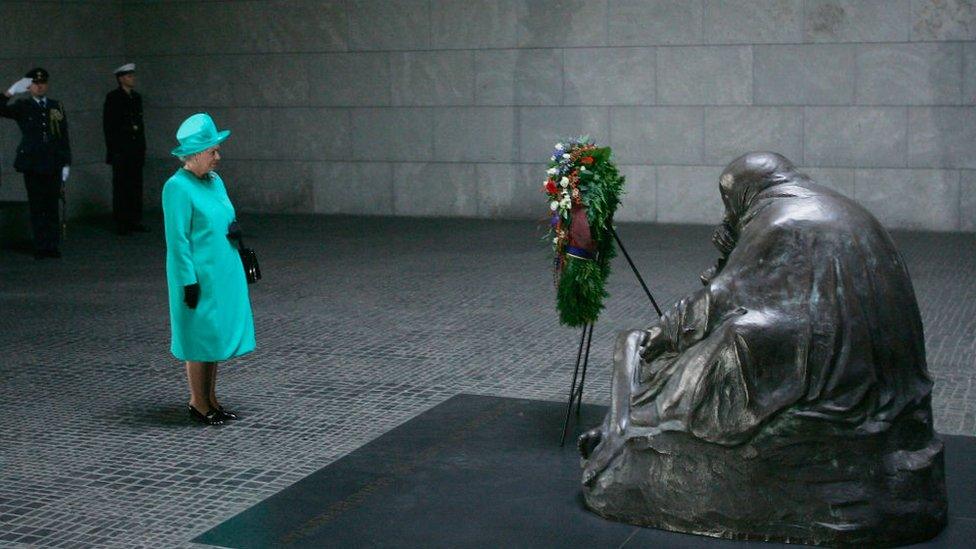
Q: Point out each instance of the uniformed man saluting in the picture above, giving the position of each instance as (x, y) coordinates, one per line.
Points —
(125, 141)
(43, 156)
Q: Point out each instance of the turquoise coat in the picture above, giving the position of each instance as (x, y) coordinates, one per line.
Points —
(196, 213)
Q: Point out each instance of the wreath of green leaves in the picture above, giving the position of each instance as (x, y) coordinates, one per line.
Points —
(581, 283)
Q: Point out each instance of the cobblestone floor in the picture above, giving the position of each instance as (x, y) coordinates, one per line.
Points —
(362, 324)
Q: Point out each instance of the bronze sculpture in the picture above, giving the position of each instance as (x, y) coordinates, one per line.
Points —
(788, 399)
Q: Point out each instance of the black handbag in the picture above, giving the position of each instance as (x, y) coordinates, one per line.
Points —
(249, 259)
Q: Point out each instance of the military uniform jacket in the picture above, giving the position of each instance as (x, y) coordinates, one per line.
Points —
(122, 123)
(44, 145)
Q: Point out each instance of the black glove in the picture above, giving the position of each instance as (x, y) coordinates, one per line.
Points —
(191, 295)
(234, 231)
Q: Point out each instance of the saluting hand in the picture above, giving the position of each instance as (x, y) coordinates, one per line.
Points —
(191, 295)
(19, 86)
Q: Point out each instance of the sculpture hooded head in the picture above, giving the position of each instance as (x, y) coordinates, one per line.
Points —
(749, 175)
(741, 184)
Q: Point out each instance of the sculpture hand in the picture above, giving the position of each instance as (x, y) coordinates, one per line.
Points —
(655, 343)
(724, 238)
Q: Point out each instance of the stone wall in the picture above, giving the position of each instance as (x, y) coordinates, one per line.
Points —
(448, 107)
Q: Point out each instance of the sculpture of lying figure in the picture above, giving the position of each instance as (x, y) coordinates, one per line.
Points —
(788, 399)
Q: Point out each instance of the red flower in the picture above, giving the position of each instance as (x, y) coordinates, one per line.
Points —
(550, 186)
(587, 160)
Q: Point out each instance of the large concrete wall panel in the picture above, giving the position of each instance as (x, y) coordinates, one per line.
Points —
(381, 91)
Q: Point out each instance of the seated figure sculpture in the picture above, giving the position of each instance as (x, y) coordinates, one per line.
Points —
(788, 399)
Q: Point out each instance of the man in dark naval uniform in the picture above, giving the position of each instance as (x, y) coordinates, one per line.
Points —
(43, 156)
(125, 141)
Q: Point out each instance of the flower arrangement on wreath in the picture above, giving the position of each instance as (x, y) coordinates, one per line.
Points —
(583, 187)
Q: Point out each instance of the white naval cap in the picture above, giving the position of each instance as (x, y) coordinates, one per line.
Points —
(128, 67)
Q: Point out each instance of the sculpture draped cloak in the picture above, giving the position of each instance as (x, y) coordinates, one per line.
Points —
(807, 329)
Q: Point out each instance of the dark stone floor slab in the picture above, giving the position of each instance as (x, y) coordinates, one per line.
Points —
(484, 472)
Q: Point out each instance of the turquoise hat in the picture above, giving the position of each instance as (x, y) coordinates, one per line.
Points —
(198, 133)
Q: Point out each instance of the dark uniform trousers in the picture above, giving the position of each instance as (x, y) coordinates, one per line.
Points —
(125, 141)
(127, 190)
(43, 194)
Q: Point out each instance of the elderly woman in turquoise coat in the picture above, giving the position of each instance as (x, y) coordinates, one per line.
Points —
(210, 311)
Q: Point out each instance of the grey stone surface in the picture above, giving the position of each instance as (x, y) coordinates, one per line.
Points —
(104, 38)
(855, 136)
(309, 133)
(561, 23)
(609, 76)
(811, 74)
(261, 185)
(856, 20)
(475, 134)
(357, 188)
(288, 26)
(943, 20)
(273, 134)
(909, 74)
(519, 77)
(654, 22)
(733, 131)
(432, 78)
(689, 194)
(942, 137)
(80, 84)
(145, 25)
(657, 135)
(85, 130)
(235, 27)
(705, 75)
(392, 134)
(967, 200)
(639, 201)
(838, 179)
(753, 21)
(510, 190)
(132, 471)
(540, 128)
(473, 24)
(161, 126)
(359, 79)
(19, 25)
(926, 199)
(226, 80)
(435, 189)
(969, 74)
(389, 24)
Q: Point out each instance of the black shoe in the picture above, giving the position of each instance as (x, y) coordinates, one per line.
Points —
(122, 230)
(139, 228)
(53, 254)
(39, 255)
(211, 418)
(226, 414)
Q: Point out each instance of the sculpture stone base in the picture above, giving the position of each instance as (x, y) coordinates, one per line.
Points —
(793, 484)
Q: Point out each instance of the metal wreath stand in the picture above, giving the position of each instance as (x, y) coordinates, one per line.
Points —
(576, 393)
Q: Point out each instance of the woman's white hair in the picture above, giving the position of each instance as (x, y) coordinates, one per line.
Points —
(187, 158)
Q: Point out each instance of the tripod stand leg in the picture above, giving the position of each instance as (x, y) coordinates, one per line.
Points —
(636, 272)
(586, 362)
(572, 389)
